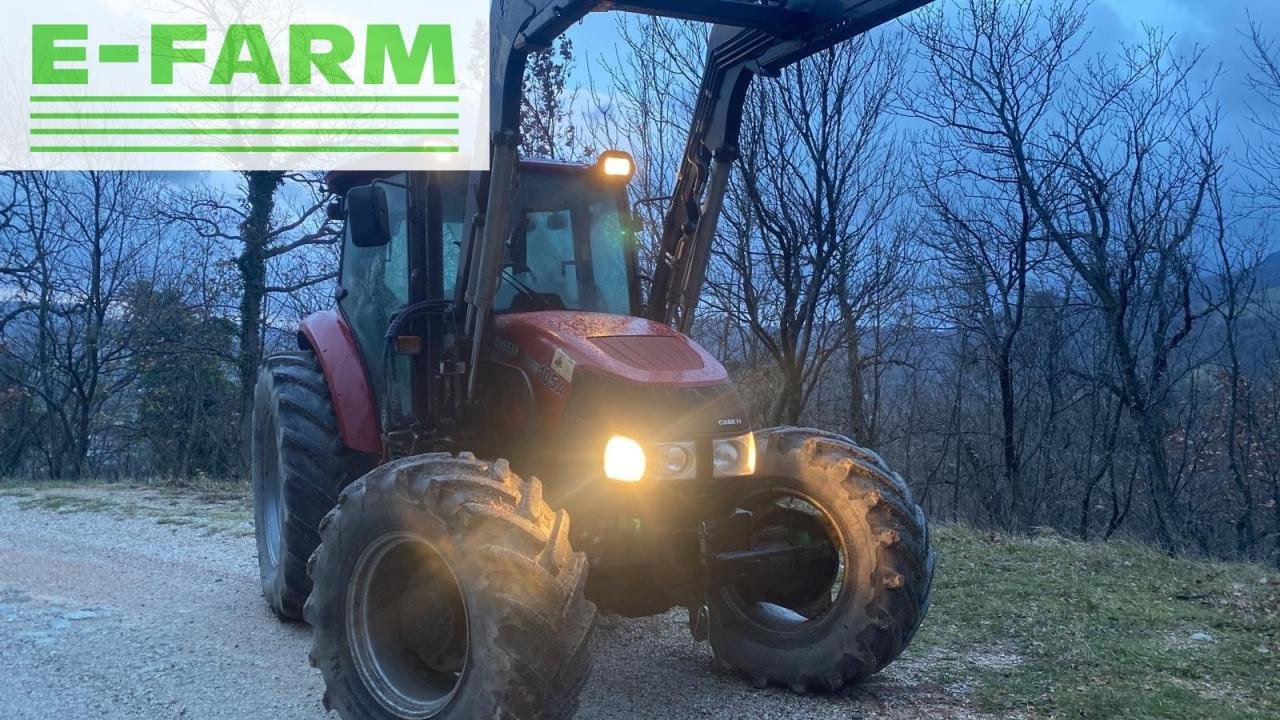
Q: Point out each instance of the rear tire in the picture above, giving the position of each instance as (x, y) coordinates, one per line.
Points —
(864, 615)
(495, 624)
(298, 465)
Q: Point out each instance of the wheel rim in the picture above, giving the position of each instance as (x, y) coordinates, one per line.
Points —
(272, 492)
(800, 601)
(408, 626)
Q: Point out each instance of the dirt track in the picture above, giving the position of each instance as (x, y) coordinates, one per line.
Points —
(129, 604)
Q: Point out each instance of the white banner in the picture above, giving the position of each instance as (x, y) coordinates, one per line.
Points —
(246, 85)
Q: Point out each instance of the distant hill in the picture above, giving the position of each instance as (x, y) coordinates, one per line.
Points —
(1268, 288)
(1269, 271)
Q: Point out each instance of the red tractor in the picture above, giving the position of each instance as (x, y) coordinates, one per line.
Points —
(503, 315)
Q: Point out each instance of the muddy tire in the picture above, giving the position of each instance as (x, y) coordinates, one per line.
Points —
(832, 623)
(298, 465)
(446, 588)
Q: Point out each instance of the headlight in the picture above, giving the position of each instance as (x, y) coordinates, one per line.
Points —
(675, 461)
(734, 457)
(623, 459)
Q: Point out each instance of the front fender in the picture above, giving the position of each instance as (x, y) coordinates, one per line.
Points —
(329, 336)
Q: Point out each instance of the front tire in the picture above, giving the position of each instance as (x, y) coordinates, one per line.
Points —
(446, 588)
(854, 602)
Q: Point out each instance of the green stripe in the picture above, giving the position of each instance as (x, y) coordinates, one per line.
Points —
(243, 131)
(244, 116)
(246, 98)
(241, 149)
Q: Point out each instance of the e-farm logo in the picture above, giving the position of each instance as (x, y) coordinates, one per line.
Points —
(252, 95)
(246, 51)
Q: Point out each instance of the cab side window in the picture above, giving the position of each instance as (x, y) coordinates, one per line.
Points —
(376, 281)
(453, 191)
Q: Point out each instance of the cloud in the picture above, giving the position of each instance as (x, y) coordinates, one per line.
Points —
(1215, 28)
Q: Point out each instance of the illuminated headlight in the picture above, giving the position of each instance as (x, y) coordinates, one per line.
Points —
(623, 459)
(675, 461)
(734, 457)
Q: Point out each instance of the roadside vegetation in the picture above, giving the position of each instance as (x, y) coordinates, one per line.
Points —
(213, 508)
(1051, 627)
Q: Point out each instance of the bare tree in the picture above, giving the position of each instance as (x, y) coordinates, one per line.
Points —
(11, 261)
(548, 113)
(1234, 281)
(990, 74)
(254, 222)
(877, 274)
(807, 213)
(276, 218)
(1113, 162)
(1122, 191)
(1263, 426)
(90, 234)
(28, 292)
(16, 252)
(646, 106)
(1263, 154)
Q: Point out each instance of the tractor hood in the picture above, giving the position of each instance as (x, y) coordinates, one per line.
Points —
(589, 374)
(622, 348)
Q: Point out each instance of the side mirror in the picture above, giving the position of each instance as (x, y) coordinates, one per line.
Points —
(368, 217)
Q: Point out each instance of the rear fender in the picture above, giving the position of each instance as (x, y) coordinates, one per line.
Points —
(329, 336)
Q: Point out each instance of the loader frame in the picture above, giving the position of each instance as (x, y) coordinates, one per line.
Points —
(748, 39)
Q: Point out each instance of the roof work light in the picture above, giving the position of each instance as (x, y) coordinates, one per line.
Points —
(617, 165)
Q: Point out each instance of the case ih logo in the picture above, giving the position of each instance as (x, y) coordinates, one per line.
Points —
(174, 90)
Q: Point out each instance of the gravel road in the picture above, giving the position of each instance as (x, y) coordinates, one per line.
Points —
(132, 604)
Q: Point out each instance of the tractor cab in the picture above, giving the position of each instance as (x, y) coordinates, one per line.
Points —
(571, 249)
(570, 215)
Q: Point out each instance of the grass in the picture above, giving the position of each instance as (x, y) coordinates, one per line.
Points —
(1020, 627)
(216, 508)
(1081, 630)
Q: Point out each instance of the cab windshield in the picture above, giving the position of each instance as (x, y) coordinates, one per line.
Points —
(568, 248)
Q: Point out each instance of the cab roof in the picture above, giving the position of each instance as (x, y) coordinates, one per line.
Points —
(340, 182)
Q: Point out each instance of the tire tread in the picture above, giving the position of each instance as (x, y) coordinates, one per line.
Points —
(546, 625)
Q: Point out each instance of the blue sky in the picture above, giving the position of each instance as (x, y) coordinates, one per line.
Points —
(1216, 27)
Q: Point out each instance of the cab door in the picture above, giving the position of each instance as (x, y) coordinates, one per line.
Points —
(374, 283)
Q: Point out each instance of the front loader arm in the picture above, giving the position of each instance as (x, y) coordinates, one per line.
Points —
(749, 39)
(735, 56)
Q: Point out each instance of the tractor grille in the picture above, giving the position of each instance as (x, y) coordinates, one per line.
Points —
(654, 411)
